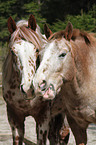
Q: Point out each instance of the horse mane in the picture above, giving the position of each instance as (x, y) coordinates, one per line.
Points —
(82, 45)
(76, 34)
(80, 34)
(57, 35)
(23, 32)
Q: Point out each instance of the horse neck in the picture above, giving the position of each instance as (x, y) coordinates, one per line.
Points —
(8, 68)
(84, 62)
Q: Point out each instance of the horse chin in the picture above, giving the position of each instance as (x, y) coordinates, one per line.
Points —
(51, 93)
(29, 93)
(48, 97)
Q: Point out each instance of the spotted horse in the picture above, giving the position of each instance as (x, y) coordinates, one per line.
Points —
(67, 73)
(18, 71)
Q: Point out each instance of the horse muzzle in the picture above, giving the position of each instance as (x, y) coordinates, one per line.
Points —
(47, 92)
(50, 93)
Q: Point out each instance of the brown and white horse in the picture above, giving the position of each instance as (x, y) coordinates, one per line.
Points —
(18, 72)
(67, 72)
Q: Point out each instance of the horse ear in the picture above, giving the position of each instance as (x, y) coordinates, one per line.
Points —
(68, 31)
(32, 22)
(47, 31)
(11, 25)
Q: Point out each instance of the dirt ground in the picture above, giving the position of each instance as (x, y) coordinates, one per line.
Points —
(30, 134)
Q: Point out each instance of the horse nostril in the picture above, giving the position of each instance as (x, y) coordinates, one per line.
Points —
(22, 89)
(51, 87)
(42, 85)
(44, 81)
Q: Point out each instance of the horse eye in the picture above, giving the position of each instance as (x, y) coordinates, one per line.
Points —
(62, 55)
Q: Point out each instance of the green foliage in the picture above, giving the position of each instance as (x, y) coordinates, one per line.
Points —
(92, 11)
(34, 8)
(59, 9)
(57, 26)
(85, 22)
(5, 11)
(6, 7)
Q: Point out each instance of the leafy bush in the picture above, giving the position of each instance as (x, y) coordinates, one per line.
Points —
(85, 21)
(34, 8)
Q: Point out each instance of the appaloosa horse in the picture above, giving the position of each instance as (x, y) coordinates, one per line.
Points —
(18, 72)
(67, 72)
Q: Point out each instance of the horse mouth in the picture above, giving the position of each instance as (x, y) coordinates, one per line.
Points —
(50, 93)
(44, 91)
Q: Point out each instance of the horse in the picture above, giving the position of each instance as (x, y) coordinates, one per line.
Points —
(19, 68)
(18, 71)
(55, 126)
(67, 72)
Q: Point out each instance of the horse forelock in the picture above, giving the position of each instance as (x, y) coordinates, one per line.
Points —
(22, 23)
(23, 32)
(57, 35)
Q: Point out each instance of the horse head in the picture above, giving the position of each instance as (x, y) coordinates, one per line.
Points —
(64, 51)
(24, 44)
(55, 64)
